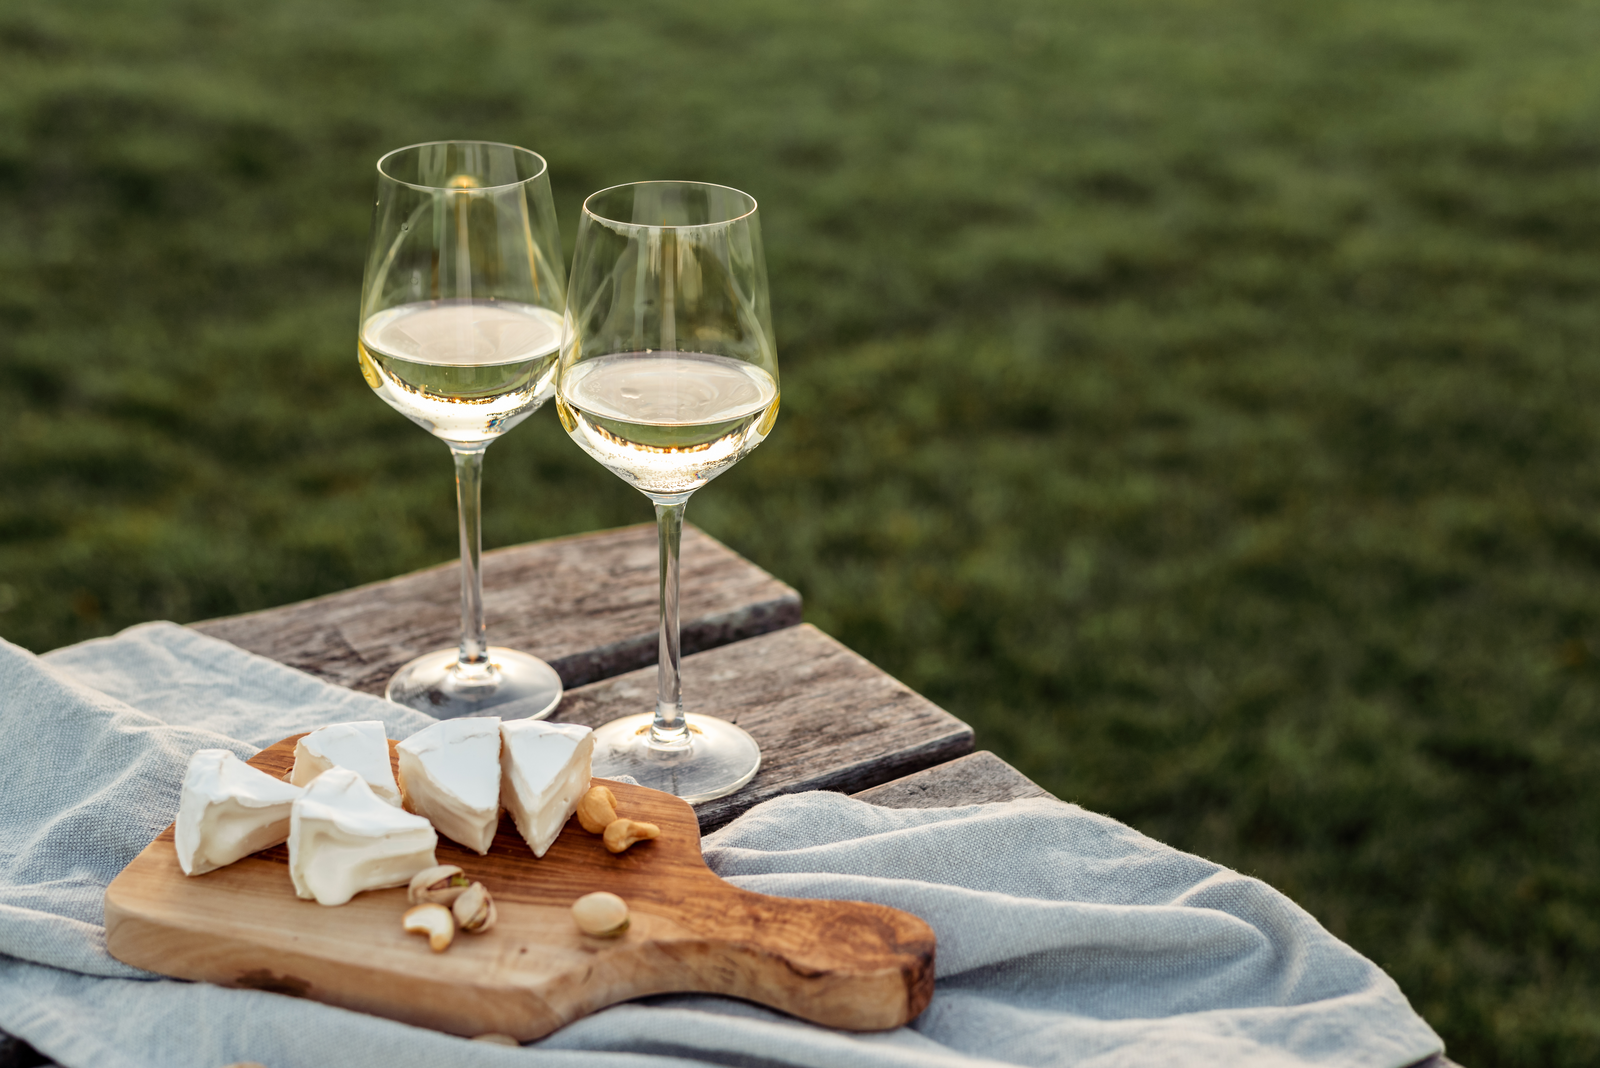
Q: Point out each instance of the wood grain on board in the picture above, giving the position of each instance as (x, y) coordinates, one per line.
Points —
(842, 964)
(975, 779)
(826, 718)
(586, 604)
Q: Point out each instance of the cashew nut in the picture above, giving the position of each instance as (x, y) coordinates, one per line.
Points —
(600, 914)
(597, 809)
(433, 920)
(474, 909)
(622, 833)
(440, 885)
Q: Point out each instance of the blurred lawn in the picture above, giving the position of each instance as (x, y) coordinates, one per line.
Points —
(1195, 397)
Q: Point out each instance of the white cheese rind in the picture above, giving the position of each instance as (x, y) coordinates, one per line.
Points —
(544, 772)
(228, 810)
(343, 840)
(361, 746)
(450, 773)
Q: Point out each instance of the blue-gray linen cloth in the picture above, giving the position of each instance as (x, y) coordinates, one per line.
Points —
(1065, 938)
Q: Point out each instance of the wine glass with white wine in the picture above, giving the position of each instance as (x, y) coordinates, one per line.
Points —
(461, 325)
(668, 377)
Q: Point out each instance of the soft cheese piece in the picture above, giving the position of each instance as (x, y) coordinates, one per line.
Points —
(450, 773)
(360, 746)
(229, 810)
(544, 772)
(343, 840)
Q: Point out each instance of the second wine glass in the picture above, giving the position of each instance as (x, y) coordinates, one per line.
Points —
(461, 324)
(668, 377)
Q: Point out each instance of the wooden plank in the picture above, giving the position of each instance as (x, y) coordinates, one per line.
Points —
(586, 604)
(844, 964)
(975, 779)
(825, 717)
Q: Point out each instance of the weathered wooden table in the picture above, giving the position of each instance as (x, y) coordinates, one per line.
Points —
(825, 717)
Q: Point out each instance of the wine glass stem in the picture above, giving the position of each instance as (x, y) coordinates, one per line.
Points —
(669, 730)
(474, 656)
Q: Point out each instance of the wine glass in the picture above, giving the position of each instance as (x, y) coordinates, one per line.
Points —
(461, 325)
(668, 376)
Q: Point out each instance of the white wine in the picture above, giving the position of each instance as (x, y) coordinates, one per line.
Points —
(668, 422)
(467, 371)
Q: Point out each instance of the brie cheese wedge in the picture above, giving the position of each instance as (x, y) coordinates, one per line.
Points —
(229, 810)
(450, 773)
(360, 746)
(343, 840)
(544, 772)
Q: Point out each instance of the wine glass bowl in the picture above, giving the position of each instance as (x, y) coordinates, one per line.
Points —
(460, 331)
(668, 377)
(673, 376)
(460, 369)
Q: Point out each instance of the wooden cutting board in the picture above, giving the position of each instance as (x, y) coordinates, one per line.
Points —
(842, 964)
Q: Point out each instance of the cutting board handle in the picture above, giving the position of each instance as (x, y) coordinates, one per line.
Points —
(846, 964)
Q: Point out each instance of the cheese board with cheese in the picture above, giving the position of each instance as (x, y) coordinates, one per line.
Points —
(850, 965)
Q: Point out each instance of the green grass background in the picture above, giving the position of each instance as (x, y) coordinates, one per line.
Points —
(1196, 396)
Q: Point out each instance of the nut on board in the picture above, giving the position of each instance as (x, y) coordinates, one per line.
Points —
(474, 909)
(433, 920)
(601, 914)
(622, 833)
(597, 809)
(440, 885)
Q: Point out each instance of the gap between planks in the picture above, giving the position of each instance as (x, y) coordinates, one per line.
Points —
(587, 604)
(826, 718)
(975, 779)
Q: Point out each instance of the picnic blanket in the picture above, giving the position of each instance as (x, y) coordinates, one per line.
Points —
(1065, 938)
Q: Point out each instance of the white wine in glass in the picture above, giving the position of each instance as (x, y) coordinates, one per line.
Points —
(668, 377)
(461, 327)
(668, 422)
(467, 371)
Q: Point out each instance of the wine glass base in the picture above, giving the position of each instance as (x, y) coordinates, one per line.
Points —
(516, 686)
(720, 757)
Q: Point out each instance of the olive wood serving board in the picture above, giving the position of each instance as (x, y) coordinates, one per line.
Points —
(842, 964)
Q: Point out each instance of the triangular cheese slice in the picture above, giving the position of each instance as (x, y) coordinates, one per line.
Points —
(361, 746)
(450, 773)
(544, 772)
(229, 810)
(343, 840)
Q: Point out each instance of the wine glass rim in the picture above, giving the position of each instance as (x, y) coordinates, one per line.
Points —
(544, 166)
(668, 226)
